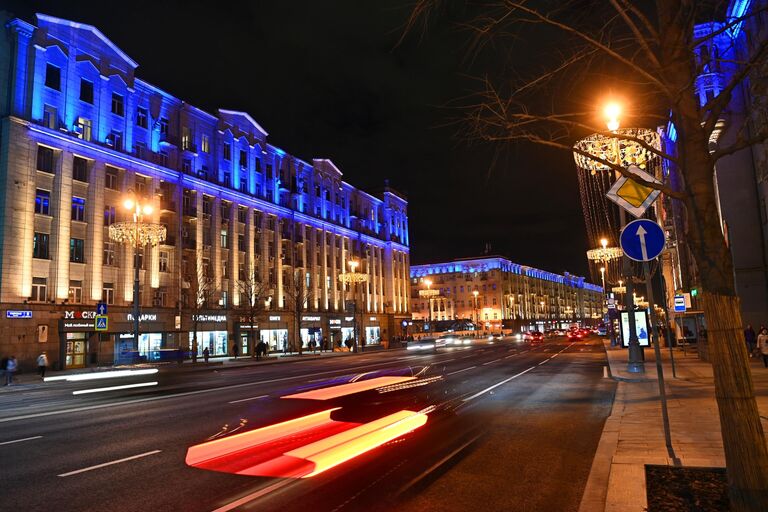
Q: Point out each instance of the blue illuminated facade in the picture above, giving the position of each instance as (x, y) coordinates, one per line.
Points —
(509, 295)
(80, 131)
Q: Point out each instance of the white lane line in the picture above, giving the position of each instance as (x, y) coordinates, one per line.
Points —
(20, 440)
(247, 399)
(114, 388)
(253, 496)
(544, 361)
(118, 461)
(490, 362)
(186, 393)
(509, 357)
(459, 371)
(491, 388)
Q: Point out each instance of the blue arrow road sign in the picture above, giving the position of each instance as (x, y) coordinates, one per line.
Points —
(101, 308)
(642, 240)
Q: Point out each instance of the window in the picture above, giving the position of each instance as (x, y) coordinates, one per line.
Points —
(141, 150)
(269, 171)
(45, 159)
(78, 209)
(242, 214)
(186, 165)
(224, 271)
(243, 159)
(110, 178)
(50, 117)
(117, 104)
(186, 138)
(109, 253)
(115, 139)
(39, 289)
(86, 91)
(243, 183)
(40, 246)
(75, 292)
(160, 297)
(80, 169)
(241, 242)
(257, 164)
(110, 216)
(224, 244)
(164, 261)
(77, 250)
(43, 202)
(162, 158)
(205, 144)
(141, 117)
(84, 128)
(163, 126)
(227, 151)
(108, 293)
(52, 77)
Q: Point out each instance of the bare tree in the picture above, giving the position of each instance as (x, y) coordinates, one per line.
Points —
(202, 294)
(297, 296)
(253, 293)
(652, 50)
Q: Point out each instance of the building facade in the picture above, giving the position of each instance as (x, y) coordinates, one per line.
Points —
(256, 238)
(494, 292)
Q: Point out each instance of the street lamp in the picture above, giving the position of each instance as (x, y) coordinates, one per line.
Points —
(353, 278)
(429, 294)
(139, 234)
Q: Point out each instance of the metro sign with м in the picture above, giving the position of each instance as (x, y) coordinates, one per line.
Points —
(642, 240)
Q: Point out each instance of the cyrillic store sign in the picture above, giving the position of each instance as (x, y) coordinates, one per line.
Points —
(209, 318)
(308, 318)
(144, 317)
(88, 315)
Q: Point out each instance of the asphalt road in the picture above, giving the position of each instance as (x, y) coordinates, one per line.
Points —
(510, 427)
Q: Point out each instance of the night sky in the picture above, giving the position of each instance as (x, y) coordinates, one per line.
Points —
(327, 79)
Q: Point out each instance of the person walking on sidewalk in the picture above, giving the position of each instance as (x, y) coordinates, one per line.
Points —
(749, 337)
(42, 364)
(206, 354)
(762, 342)
(10, 369)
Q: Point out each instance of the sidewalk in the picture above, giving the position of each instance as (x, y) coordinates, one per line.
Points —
(633, 435)
(30, 379)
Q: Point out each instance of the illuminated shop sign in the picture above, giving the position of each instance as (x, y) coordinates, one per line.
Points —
(79, 325)
(144, 317)
(349, 318)
(209, 318)
(18, 314)
(90, 315)
(373, 319)
(335, 321)
(274, 318)
(308, 318)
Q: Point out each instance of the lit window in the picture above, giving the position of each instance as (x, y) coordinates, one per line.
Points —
(75, 292)
(50, 117)
(108, 293)
(205, 144)
(84, 128)
(78, 209)
(43, 202)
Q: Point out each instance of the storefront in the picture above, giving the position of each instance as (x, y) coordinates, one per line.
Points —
(210, 331)
(372, 333)
(245, 331)
(156, 341)
(76, 331)
(276, 334)
(347, 330)
(311, 331)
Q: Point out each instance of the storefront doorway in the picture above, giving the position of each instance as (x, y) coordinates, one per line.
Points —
(77, 345)
(215, 341)
(276, 339)
(150, 345)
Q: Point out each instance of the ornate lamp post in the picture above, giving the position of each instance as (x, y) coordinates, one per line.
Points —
(429, 294)
(139, 234)
(352, 278)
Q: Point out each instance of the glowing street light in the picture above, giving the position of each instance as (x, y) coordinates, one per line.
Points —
(352, 278)
(139, 234)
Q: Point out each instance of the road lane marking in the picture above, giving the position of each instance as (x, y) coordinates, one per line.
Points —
(118, 461)
(20, 440)
(247, 399)
(544, 361)
(509, 357)
(254, 495)
(491, 388)
(459, 371)
(489, 362)
(114, 388)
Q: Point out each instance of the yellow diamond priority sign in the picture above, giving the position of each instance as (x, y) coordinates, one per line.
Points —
(631, 195)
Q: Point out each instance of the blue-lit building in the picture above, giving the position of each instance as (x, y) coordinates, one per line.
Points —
(741, 179)
(80, 131)
(494, 292)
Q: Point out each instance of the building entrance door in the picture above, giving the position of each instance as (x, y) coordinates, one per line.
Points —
(76, 348)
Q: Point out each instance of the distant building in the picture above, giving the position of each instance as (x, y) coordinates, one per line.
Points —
(508, 294)
(80, 130)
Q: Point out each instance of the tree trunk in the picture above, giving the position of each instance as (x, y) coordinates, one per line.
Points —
(746, 454)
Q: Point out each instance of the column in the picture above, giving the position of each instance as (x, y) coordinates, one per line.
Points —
(234, 253)
(278, 243)
(94, 243)
(61, 225)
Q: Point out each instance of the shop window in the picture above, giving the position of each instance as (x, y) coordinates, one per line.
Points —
(75, 292)
(39, 289)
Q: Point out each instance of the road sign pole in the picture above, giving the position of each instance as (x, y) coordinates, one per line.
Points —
(659, 367)
(668, 333)
(635, 363)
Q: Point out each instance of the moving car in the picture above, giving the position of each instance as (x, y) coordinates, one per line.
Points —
(536, 337)
(426, 344)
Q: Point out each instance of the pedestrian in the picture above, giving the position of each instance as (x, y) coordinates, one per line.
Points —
(751, 339)
(260, 349)
(762, 343)
(10, 369)
(206, 354)
(42, 364)
(235, 349)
